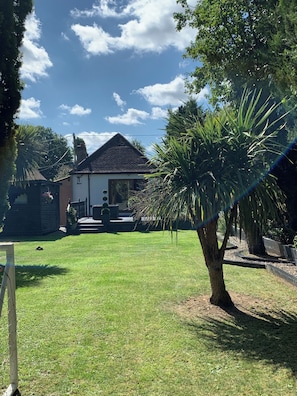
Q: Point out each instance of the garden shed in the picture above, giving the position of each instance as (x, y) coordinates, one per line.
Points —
(34, 207)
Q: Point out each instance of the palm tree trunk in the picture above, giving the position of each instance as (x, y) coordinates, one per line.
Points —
(219, 295)
(213, 257)
(255, 241)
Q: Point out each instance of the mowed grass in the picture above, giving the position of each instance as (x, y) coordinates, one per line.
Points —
(96, 316)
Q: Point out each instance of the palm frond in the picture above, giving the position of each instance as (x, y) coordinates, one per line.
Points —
(29, 152)
(216, 163)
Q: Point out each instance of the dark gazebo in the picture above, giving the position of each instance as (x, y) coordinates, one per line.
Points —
(34, 207)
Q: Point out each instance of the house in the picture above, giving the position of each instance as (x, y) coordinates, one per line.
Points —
(34, 207)
(113, 171)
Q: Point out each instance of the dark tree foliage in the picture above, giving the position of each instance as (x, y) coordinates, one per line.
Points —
(243, 43)
(80, 149)
(7, 168)
(30, 152)
(12, 26)
(180, 120)
(248, 43)
(56, 152)
(137, 144)
(41, 148)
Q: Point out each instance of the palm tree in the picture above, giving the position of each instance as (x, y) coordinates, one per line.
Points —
(30, 151)
(210, 169)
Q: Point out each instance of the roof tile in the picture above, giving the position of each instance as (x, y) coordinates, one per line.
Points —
(117, 155)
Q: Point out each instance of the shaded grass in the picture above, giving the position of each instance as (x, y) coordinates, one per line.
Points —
(95, 317)
(257, 336)
(31, 275)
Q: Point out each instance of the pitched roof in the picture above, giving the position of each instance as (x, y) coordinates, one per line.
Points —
(117, 155)
(33, 175)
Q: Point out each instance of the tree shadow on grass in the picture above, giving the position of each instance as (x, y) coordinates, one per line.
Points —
(269, 336)
(31, 275)
(54, 236)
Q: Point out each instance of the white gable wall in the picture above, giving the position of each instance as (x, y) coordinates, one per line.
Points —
(91, 187)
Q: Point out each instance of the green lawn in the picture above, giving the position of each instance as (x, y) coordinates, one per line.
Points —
(96, 316)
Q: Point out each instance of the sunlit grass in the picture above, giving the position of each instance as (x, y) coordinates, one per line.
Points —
(95, 317)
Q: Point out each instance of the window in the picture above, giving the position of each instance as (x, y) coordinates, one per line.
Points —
(120, 191)
(21, 199)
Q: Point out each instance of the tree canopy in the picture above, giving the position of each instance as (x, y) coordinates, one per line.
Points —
(80, 149)
(56, 152)
(253, 44)
(29, 152)
(12, 27)
(137, 144)
(243, 43)
(179, 120)
(41, 148)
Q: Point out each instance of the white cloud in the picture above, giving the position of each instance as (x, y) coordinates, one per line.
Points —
(93, 38)
(36, 60)
(29, 109)
(170, 94)
(158, 112)
(150, 27)
(65, 37)
(121, 103)
(131, 117)
(103, 9)
(202, 95)
(75, 110)
(32, 25)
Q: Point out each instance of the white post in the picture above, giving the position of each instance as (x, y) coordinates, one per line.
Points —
(9, 274)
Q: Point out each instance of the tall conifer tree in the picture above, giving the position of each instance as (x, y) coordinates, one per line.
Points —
(13, 14)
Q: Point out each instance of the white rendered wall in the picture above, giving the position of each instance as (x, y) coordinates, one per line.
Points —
(91, 187)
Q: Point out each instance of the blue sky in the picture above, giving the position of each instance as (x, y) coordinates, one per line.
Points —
(95, 68)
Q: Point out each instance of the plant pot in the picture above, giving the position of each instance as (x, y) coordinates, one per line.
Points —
(97, 211)
(105, 218)
(72, 229)
(273, 247)
(288, 252)
(294, 254)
